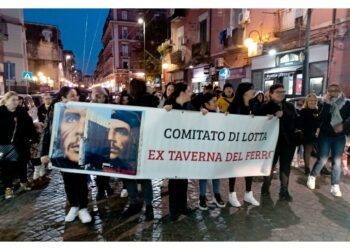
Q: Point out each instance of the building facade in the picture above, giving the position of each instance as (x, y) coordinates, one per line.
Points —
(45, 56)
(14, 50)
(122, 55)
(264, 46)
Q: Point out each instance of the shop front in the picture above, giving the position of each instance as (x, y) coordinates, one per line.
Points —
(200, 78)
(234, 76)
(286, 67)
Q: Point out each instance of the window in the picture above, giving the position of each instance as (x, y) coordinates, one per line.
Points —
(203, 31)
(9, 71)
(125, 50)
(316, 85)
(125, 65)
(125, 32)
(125, 15)
(47, 35)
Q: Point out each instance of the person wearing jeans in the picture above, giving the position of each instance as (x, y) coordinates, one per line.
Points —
(202, 194)
(334, 144)
(335, 124)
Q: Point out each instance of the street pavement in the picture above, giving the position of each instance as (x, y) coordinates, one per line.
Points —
(38, 215)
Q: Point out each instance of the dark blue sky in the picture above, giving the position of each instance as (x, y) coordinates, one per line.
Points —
(71, 23)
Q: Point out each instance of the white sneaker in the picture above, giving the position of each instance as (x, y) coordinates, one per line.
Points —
(42, 170)
(72, 214)
(124, 193)
(8, 193)
(232, 199)
(335, 190)
(248, 197)
(311, 182)
(36, 172)
(84, 215)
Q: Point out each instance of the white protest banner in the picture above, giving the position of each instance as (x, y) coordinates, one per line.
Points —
(146, 143)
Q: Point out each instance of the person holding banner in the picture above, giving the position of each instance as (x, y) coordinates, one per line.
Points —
(138, 91)
(242, 105)
(181, 99)
(100, 95)
(285, 148)
(66, 155)
(210, 104)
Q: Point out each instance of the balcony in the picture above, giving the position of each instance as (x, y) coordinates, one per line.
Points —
(176, 58)
(236, 40)
(3, 31)
(290, 23)
(200, 50)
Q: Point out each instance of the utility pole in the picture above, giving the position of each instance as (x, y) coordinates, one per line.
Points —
(306, 79)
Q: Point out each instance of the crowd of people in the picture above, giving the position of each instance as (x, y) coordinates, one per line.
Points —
(317, 126)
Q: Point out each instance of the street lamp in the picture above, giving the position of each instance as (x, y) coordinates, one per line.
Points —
(254, 48)
(141, 21)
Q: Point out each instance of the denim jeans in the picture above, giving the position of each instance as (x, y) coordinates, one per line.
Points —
(335, 145)
(203, 186)
(147, 191)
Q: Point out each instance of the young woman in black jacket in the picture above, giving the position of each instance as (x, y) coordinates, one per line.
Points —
(242, 105)
(180, 99)
(140, 97)
(75, 185)
(309, 125)
(16, 128)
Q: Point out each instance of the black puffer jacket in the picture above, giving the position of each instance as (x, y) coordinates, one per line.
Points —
(25, 132)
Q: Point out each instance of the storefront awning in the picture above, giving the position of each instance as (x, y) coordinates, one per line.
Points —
(283, 69)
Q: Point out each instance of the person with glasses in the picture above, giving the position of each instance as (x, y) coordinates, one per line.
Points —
(335, 125)
(285, 148)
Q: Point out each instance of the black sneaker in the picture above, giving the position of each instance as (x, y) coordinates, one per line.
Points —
(173, 217)
(149, 215)
(203, 203)
(132, 210)
(285, 196)
(265, 190)
(218, 201)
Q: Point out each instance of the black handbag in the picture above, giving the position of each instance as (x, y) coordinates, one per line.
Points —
(9, 152)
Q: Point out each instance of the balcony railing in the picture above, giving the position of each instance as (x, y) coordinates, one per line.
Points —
(200, 49)
(236, 40)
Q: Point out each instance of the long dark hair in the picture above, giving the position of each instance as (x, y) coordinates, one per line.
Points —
(137, 88)
(179, 87)
(238, 101)
(166, 89)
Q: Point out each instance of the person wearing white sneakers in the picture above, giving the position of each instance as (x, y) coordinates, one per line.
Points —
(66, 154)
(335, 125)
(242, 105)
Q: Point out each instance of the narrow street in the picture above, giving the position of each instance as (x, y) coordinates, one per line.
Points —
(38, 215)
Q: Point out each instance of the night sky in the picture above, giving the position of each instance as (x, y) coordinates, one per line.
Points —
(71, 23)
